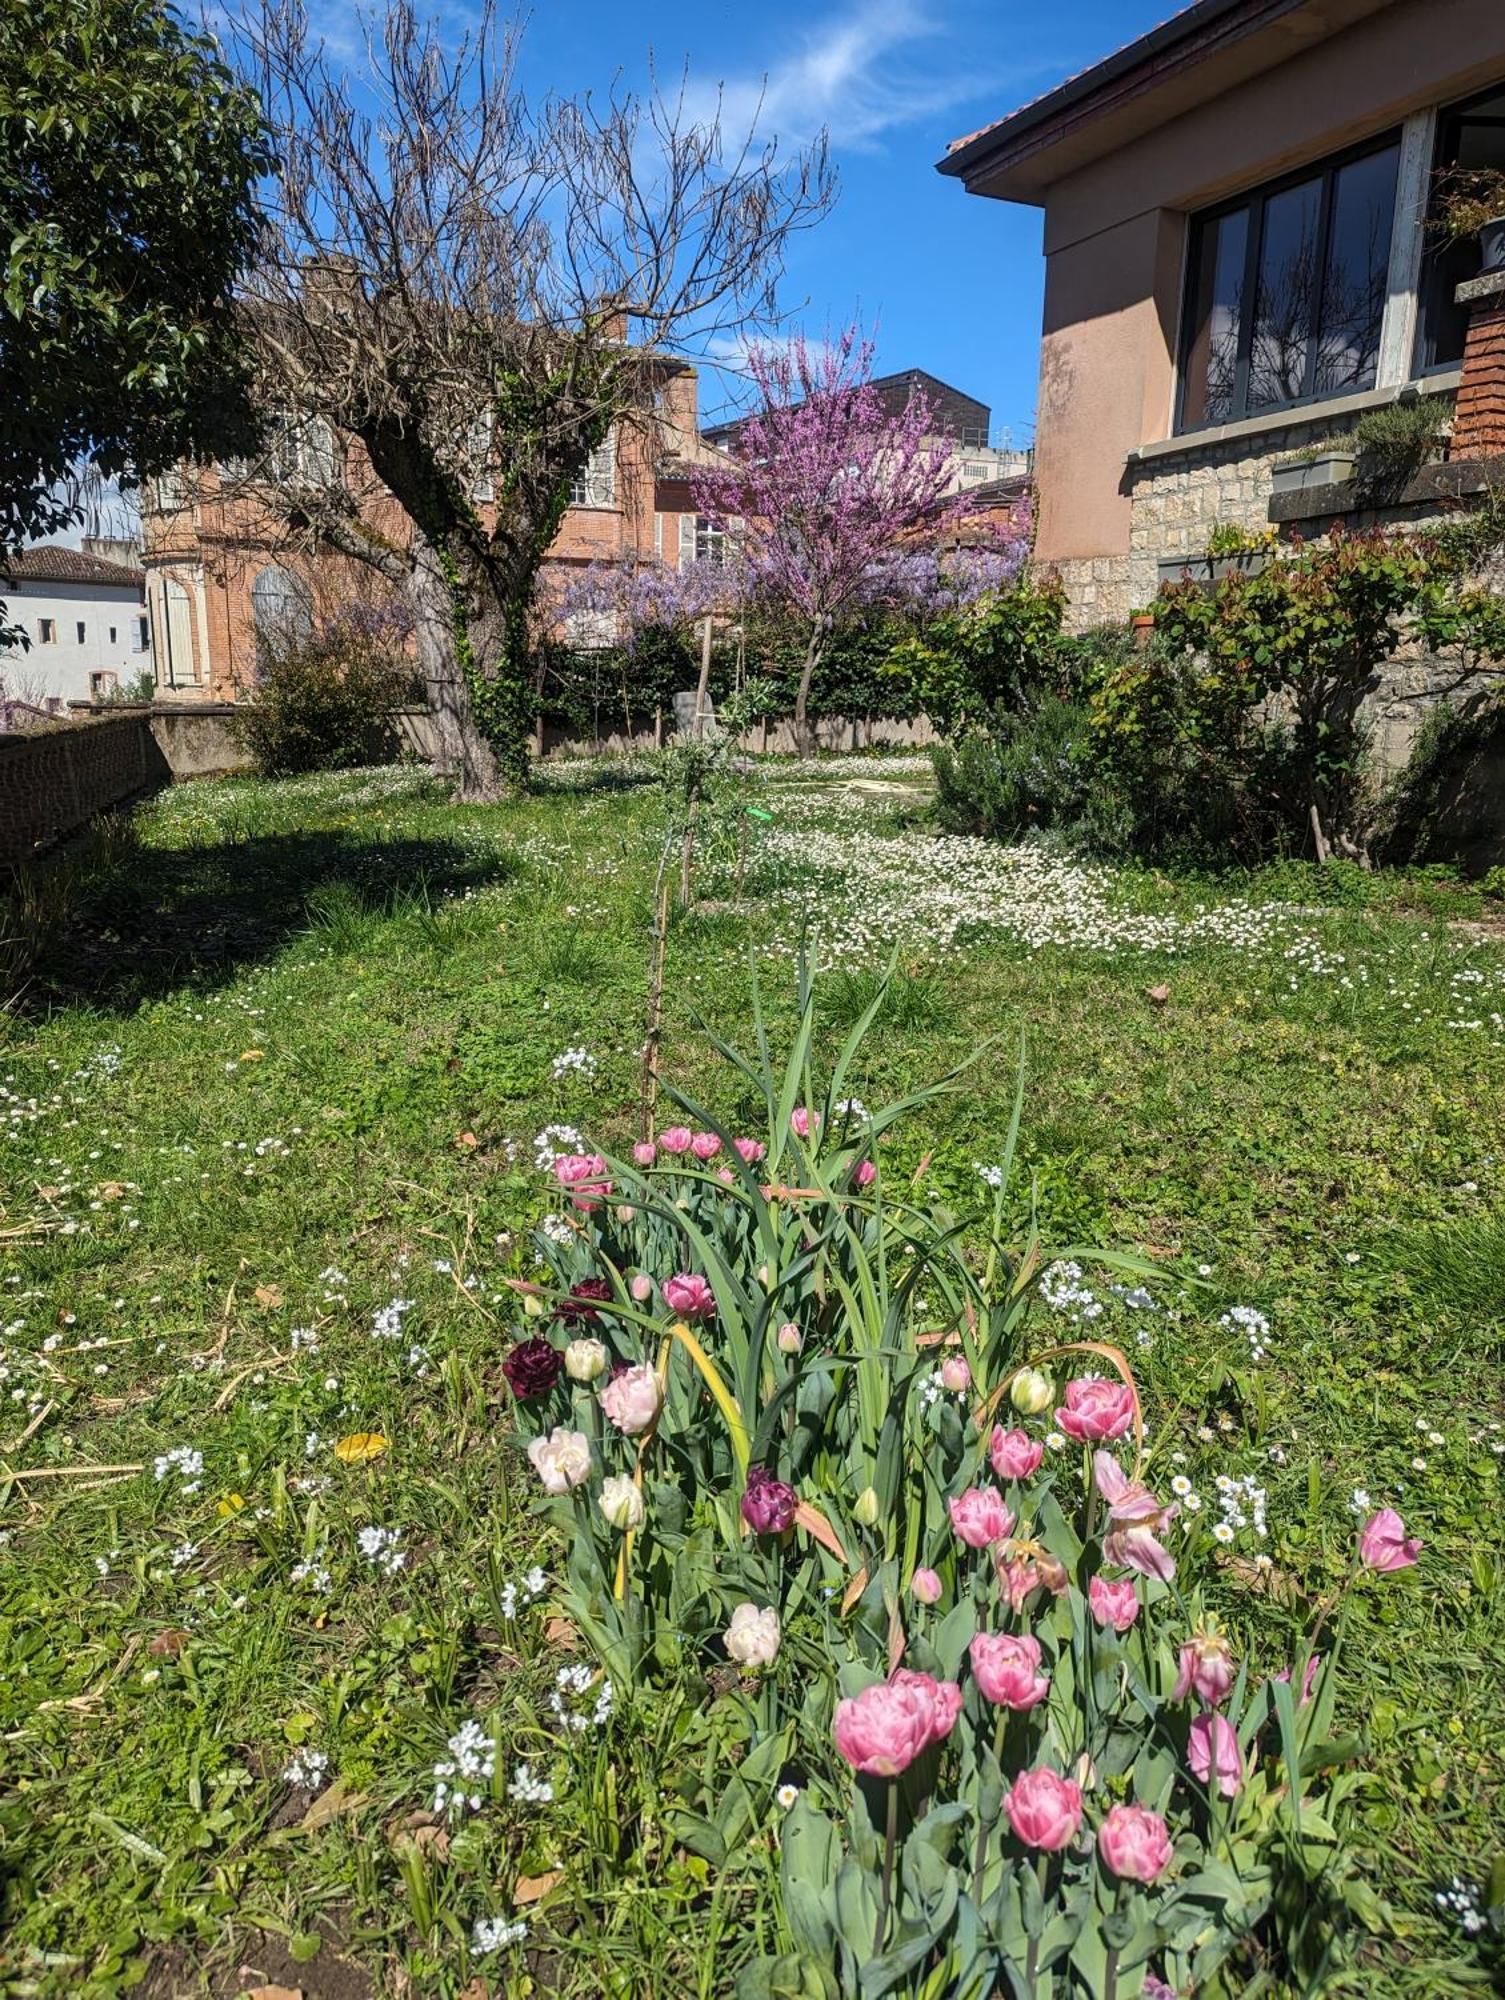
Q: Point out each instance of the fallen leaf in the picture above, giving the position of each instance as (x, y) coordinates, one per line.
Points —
(252, 1055)
(168, 1644)
(360, 1447)
(533, 1888)
(337, 1799)
(560, 1632)
(466, 1142)
(274, 1993)
(269, 1296)
(49, 1193)
(432, 1840)
(1159, 994)
(110, 1190)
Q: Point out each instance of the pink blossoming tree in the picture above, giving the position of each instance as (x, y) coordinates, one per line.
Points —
(825, 488)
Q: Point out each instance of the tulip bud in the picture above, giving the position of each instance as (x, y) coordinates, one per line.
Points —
(621, 1502)
(791, 1340)
(956, 1376)
(584, 1360)
(642, 1288)
(865, 1513)
(625, 1211)
(925, 1586)
(532, 1304)
(1032, 1392)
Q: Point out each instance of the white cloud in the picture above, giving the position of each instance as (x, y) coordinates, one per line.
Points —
(843, 75)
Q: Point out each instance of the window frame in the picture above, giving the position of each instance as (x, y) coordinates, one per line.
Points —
(1256, 201)
(1425, 361)
(46, 631)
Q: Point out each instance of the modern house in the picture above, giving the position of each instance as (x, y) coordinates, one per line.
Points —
(961, 422)
(83, 615)
(1241, 260)
(223, 575)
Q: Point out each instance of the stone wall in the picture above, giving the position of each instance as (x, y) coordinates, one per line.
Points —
(1178, 497)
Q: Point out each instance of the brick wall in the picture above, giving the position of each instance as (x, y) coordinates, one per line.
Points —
(53, 781)
(1480, 428)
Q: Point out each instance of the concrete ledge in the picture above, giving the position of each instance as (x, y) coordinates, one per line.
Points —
(1296, 417)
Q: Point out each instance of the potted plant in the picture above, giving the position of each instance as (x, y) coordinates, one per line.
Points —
(1230, 551)
(1471, 202)
(1329, 463)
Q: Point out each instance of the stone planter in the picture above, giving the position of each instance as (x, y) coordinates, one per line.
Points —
(1211, 569)
(1333, 468)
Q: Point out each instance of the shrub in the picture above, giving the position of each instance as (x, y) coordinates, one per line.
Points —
(1445, 799)
(325, 702)
(1026, 773)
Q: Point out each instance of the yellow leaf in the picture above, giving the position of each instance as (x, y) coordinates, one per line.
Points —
(269, 1296)
(252, 1055)
(360, 1447)
(232, 1503)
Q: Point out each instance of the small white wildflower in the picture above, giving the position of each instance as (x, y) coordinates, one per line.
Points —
(306, 1767)
(528, 1790)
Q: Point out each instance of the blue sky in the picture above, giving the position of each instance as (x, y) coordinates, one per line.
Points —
(953, 283)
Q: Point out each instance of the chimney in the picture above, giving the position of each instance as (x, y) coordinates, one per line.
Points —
(114, 548)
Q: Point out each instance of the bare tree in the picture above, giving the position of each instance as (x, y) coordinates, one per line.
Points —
(478, 292)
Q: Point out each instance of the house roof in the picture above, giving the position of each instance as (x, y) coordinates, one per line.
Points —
(730, 427)
(1195, 55)
(50, 562)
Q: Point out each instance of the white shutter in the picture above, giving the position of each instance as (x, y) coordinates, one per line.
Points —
(601, 473)
(686, 539)
(658, 536)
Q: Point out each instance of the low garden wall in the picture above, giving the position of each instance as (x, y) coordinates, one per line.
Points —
(55, 779)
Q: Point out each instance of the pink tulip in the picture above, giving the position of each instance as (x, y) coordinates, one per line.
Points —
(1044, 1809)
(688, 1294)
(1213, 1742)
(583, 1176)
(752, 1150)
(645, 1152)
(925, 1586)
(1206, 1668)
(1130, 1504)
(1114, 1604)
(956, 1376)
(883, 1729)
(641, 1288)
(1015, 1454)
(705, 1146)
(1006, 1666)
(677, 1139)
(1308, 1679)
(1096, 1409)
(1137, 1549)
(632, 1399)
(1135, 1843)
(802, 1122)
(864, 1174)
(945, 1698)
(1384, 1545)
(726, 1176)
(980, 1517)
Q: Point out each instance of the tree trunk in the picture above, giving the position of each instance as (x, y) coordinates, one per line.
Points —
(802, 737)
(461, 752)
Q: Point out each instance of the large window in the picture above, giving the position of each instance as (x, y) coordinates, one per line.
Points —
(1471, 137)
(1285, 291)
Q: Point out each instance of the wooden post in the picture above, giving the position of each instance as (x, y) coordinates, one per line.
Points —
(705, 678)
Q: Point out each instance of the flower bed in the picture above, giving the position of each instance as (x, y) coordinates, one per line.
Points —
(800, 1428)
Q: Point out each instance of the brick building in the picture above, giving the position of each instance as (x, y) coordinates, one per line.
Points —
(221, 574)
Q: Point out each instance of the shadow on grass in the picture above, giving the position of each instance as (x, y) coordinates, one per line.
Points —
(150, 921)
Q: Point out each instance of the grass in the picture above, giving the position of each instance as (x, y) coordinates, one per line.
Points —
(280, 1062)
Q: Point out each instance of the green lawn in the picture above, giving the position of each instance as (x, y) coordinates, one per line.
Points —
(284, 1065)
